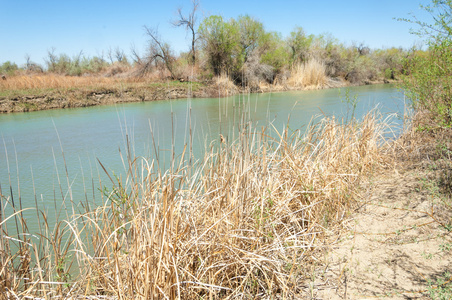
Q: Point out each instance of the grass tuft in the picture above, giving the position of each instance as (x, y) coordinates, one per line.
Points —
(310, 74)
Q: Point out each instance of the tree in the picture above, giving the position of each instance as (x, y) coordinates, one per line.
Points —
(274, 51)
(8, 68)
(220, 41)
(441, 13)
(158, 49)
(51, 60)
(299, 44)
(429, 84)
(32, 66)
(135, 55)
(251, 33)
(189, 22)
(120, 55)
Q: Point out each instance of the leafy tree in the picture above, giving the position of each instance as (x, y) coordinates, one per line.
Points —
(275, 51)
(251, 33)
(429, 85)
(299, 44)
(220, 41)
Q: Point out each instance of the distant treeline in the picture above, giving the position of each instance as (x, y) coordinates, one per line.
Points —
(241, 49)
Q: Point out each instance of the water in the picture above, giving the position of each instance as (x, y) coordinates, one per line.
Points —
(39, 148)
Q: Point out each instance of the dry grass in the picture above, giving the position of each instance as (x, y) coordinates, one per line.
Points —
(225, 85)
(309, 75)
(24, 82)
(247, 221)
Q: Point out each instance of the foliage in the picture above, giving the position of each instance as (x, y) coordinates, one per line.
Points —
(251, 33)
(429, 85)
(275, 52)
(219, 40)
(241, 48)
(260, 232)
(441, 13)
(8, 68)
(442, 288)
(311, 73)
(78, 65)
(299, 44)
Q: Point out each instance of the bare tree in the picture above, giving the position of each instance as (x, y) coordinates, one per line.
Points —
(28, 61)
(51, 60)
(158, 49)
(135, 55)
(362, 49)
(120, 55)
(110, 55)
(32, 66)
(189, 22)
(77, 58)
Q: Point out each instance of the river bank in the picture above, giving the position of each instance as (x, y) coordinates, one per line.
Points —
(111, 92)
(269, 198)
(266, 210)
(398, 242)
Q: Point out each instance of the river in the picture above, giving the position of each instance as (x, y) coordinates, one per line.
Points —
(49, 157)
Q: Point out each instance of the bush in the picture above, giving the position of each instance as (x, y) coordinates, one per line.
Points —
(429, 85)
(361, 70)
(389, 74)
(8, 68)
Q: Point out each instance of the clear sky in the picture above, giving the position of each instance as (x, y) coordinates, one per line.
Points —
(33, 27)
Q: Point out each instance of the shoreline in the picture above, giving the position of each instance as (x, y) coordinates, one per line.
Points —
(60, 98)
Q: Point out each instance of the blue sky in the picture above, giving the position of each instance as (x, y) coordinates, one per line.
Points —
(33, 27)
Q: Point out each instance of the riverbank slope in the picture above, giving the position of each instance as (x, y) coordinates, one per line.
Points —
(398, 242)
(34, 93)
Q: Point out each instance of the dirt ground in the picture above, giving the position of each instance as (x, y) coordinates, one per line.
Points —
(398, 242)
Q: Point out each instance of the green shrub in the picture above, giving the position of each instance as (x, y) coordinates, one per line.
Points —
(389, 73)
(429, 85)
(8, 68)
(429, 81)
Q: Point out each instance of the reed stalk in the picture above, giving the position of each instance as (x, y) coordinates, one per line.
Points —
(248, 220)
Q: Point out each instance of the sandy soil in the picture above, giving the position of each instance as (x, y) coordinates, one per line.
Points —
(397, 246)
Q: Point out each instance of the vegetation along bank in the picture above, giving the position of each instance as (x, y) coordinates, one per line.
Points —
(224, 57)
(278, 214)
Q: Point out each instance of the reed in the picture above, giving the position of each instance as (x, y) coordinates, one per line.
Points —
(225, 85)
(310, 74)
(54, 81)
(248, 220)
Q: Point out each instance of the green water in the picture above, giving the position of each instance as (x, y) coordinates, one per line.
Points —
(51, 157)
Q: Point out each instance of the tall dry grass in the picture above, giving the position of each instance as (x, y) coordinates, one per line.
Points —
(50, 81)
(310, 74)
(225, 85)
(246, 221)
(23, 82)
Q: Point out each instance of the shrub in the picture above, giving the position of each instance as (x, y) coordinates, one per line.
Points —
(8, 68)
(389, 74)
(429, 85)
